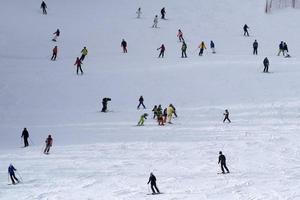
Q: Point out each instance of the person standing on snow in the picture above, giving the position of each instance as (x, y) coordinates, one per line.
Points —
(160, 118)
(155, 22)
(281, 48)
(84, 53)
(255, 46)
(78, 64)
(25, 136)
(163, 13)
(162, 51)
(266, 65)
(222, 161)
(154, 110)
(142, 119)
(11, 172)
(124, 46)
(201, 47)
(285, 49)
(183, 50)
(165, 115)
(180, 36)
(139, 12)
(245, 28)
(44, 7)
(141, 102)
(226, 116)
(174, 109)
(48, 142)
(170, 112)
(104, 104)
(56, 35)
(54, 53)
(152, 181)
(212, 46)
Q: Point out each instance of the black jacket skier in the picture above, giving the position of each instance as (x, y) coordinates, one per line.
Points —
(44, 6)
(154, 110)
(124, 46)
(246, 27)
(163, 13)
(152, 181)
(25, 136)
(141, 102)
(222, 161)
(266, 65)
(11, 172)
(183, 50)
(255, 46)
(226, 116)
(104, 104)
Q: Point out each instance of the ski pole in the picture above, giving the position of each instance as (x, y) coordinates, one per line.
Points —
(19, 176)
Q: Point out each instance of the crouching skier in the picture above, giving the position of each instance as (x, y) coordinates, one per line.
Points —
(142, 119)
(11, 172)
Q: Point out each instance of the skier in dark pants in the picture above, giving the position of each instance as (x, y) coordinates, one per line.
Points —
(255, 46)
(222, 160)
(212, 46)
(25, 136)
(183, 50)
(154, 110)
(266, 65)
(54, 53)
(226, 114)
(285, 49)
(104, 104)
(246, 27)
(152, 181)
(11, 172)
(44, 6)
(163, 13)
(84, 53)
(56, 35)
(281, 48)
(48, 142)
(162, 50)
(78, 64)
(141, 102)
(124, 46)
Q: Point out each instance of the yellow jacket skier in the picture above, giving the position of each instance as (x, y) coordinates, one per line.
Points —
(170, 111)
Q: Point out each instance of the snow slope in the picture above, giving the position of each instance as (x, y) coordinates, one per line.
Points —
(104, 156)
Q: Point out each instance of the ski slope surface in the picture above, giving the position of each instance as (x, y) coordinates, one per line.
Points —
(106, 156)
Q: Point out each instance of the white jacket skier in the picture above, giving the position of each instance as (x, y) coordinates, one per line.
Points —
(155, 21)
(139, 12)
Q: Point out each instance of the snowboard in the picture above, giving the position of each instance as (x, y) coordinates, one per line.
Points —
(154, 193)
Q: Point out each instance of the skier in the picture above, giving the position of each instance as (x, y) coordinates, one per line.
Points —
(141, 102)
(180, 35)
(285, 49)
(266, 65)
(170, 112)
(212, 46)
(160, 118)
(78, 64)
(124, 46)
(84, 53)
(11, 172)
(201, 47)
(226, 114)
(163, 13)
(54, 53)
(152, 181)
(281, 48)
(154, 110)
(165, 115)
(48, 142)
(25, 136)
(104, 104)
(142, 119)
(162, 51)
(44, 6)
(174, 109)
(155, 22)
(246, 27)
(139, 12)
(56, 35)
(222, 161)
(255, 46)
(183, 50)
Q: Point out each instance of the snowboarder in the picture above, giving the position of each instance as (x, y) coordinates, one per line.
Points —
(174, 109)
(170, 112)
(142, 119)
(124, 46)
(78, 64)
(54, 53)
(139, 12)
(104, 104)
(154, 110)
(155, 22)
(222, 161)
(25, 136)
(255, 46)
(281, 48)
(163, 13)
(201, 47)
(44, 7)
(180, 36)
(285, 49)
(246, 27)
(84, 53)
(56, 35)
(183, 50)
(152, 181)
(141, 102)
(212, 46)
(162, 51)
(266, 65)
(48, 142)
(11, 172)
(226, 116)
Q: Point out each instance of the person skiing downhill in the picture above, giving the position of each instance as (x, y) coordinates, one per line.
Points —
(139, 12)
(245, 28)
(11, 172)
(226, 116)
(54, 53)
(255, 46)
(25, 136)
(155, 22)
(44, 7)
(266, 65)
(152, 181)
(201, 47)
(180, 36)
(212, 46)
(285, 49)
(84, 53)
(162, 51)
(48, 142)
(78, 64)
(104, 104)
(141, 102)
(222, 161)
(56, 35)
(124, 46)
(183, 50)
(281, 48)
(142, 119)
(163, 13)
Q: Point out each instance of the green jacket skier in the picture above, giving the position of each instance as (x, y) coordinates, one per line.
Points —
(142, 119)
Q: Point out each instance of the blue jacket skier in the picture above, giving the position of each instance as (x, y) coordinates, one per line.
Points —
(11, 172)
